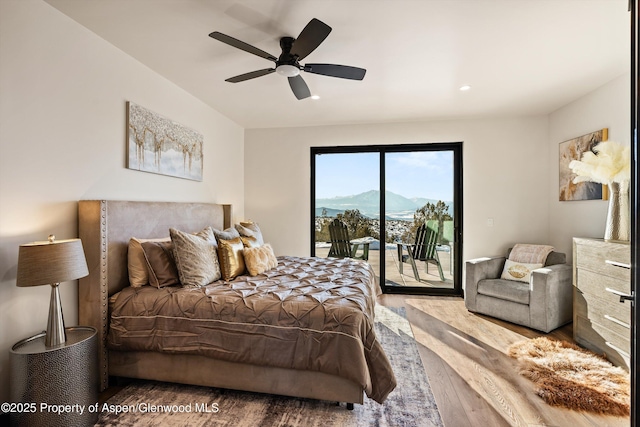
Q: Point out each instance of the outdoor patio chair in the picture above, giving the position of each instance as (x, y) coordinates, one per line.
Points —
(341, 246)
(424, 249)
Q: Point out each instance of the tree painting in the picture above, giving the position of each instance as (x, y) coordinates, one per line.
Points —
(159, 145)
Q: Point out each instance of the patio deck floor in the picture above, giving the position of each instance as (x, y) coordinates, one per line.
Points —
(394, 278)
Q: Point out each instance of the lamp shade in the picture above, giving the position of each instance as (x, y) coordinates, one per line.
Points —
(55, 261)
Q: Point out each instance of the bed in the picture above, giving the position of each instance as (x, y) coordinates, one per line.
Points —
(332, 372)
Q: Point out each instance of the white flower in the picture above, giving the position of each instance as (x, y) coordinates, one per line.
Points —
(611, 162)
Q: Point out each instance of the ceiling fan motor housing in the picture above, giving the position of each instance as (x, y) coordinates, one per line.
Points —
(287, 64)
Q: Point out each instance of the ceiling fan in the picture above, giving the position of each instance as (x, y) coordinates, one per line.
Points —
(294, 50)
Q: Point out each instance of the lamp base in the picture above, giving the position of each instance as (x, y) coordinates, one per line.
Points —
(55, 325)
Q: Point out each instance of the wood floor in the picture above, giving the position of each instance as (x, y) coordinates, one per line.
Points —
(474, 382)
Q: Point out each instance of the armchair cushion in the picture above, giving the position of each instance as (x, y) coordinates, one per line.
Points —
(509, 290)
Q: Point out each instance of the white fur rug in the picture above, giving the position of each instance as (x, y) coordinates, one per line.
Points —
(570, 376)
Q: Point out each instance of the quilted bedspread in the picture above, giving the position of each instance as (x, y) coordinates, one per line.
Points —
(307, 313)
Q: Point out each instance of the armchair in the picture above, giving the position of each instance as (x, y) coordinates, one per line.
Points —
(544, 304)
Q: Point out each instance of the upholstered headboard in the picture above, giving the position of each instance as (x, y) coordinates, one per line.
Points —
(105, 227)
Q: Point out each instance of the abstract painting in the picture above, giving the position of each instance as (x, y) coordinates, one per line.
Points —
(573, 150)
(159, 145)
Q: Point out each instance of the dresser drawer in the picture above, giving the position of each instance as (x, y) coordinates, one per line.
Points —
(601, 340)
(590, 282)
(607, 312)
(596, 256)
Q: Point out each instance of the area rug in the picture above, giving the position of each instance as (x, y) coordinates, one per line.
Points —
(570, 376)
(410, 404)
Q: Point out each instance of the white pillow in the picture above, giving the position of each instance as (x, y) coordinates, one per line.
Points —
(518, 271)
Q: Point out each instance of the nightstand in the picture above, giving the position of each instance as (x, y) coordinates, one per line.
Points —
(62, 375)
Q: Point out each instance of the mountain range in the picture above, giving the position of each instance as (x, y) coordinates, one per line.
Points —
(368, 203)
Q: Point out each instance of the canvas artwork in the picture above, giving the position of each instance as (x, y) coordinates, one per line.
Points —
(159, 145)
(573, 150)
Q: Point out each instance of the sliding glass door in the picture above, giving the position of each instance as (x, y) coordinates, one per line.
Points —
(419, 193)
(346, 189)
(401, 205)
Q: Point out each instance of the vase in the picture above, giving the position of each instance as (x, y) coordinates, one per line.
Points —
(617, 227)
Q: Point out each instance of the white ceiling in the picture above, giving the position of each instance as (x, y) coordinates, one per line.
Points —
(521, 57)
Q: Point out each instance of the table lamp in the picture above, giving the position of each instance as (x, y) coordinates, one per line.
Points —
(51, 263)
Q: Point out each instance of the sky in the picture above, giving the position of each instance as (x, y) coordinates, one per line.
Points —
(427, 174)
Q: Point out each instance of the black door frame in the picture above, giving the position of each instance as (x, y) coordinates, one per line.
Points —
(635, 194)
(456, 148)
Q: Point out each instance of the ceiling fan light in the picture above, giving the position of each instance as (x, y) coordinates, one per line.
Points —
(287, 70)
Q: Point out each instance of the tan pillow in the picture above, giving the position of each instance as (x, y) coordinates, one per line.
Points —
(137, 265)
(249, 242)
(260, 259)
(250, 229)
(196, 257)
(518, 271)
(161, 265)
(231, 258)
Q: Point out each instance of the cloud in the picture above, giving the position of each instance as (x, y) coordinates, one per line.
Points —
(434, 160)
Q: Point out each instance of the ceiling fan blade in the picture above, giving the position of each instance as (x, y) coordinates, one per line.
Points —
(251, 75)
(242, 45)
(299, 87)
(341, 71)
(310, 38)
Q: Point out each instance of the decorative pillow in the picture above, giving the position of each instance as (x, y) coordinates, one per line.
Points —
(518, 271)
(249, 242)
(231, 258)
(260, 259)
(138, 273)
(228, 234)
(250, 229)
(160, 263)
(196, 257)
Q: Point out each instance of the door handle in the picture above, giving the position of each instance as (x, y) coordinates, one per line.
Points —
(622, 295)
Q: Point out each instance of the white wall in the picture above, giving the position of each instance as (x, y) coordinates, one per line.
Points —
(606, 107)
(62, 138)
(510, 173)
(505, 169)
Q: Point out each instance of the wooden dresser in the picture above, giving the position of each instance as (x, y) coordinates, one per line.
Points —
(600, 274)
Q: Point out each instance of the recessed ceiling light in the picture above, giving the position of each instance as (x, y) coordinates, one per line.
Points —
(315, 96)
(465, 87)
